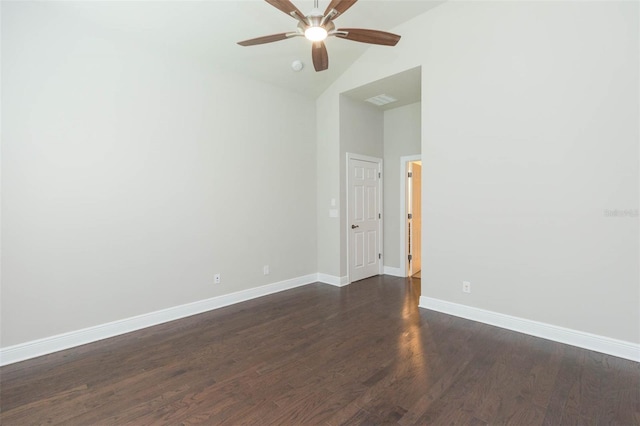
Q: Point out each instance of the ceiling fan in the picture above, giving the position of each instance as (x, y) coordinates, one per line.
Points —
(317, 26)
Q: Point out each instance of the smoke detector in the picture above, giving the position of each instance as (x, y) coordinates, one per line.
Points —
(297, 65)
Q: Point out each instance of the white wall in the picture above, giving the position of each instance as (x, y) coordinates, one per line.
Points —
(361, 128)
(328, 165)
(131, 176)
(530, 133)
(402, 137)
(526, 153)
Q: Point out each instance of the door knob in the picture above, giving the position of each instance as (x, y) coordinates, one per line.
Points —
(355, 226)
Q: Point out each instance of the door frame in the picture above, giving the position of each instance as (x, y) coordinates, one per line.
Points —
(404, 265)
(352, 156)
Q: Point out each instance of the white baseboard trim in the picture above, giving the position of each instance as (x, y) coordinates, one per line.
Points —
(394, 272)
(568, 336)
(47, 345)
(333, 280)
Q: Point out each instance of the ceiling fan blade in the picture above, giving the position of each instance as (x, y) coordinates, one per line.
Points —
(264, 39)
(340, 6)
(368, 36)
(287, 7)
(320, 56)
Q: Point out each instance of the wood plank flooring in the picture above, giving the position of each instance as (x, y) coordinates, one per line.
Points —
(321, 355)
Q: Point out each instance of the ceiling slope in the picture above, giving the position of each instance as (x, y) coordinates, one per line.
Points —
(209, 31)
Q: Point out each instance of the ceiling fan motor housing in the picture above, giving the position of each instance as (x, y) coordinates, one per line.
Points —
(315, 21)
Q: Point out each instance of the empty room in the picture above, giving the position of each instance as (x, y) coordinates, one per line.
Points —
(328, 212)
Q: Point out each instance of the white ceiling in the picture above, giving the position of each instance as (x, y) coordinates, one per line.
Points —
(209, 31)
(406, 87)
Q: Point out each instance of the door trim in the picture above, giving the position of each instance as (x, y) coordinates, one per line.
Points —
(404, 265)
(353, 156)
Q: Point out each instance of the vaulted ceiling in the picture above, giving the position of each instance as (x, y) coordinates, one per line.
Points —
(210, 30)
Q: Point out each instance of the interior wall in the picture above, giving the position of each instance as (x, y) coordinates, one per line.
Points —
(328, 188)
(131, 176)
(525, 156)
(529, 144)
(361, 132)
(402, 137)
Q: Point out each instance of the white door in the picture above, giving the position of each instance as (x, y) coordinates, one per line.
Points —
(364, 218)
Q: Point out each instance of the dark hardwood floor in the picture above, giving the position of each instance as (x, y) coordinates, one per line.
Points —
(361, 354)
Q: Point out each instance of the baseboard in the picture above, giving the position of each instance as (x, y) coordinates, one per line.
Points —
(35, 348)
(394, 272)
(568, 336)
(333, 280)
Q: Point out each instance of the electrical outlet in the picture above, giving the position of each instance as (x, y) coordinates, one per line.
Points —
(216, 278)
(265, 269)
(466, 287)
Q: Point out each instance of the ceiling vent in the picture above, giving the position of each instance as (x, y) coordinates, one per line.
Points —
(381, 100)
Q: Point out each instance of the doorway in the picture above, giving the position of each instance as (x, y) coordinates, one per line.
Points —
(414, 218)
(411, 216)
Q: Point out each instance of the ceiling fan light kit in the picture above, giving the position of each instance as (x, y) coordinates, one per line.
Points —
(317, 26)
(315, 33)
